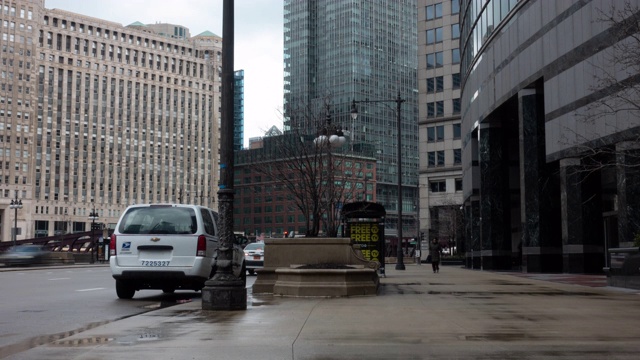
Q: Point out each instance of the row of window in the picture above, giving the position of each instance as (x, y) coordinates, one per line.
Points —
(436, 60)
(436, 35)
(24, 13)
(436, 133)
(436, 158)
(441, 185)
(115, 36)
(110, 52)
(435, 11)
(436, 109)
(436, 84)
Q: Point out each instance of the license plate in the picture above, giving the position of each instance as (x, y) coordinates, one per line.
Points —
(156, 263)
(256, 257)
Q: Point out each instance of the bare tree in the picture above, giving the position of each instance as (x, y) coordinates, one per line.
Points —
(615, 90)
(312, 170)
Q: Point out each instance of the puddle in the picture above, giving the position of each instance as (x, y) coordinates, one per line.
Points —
(45, 339)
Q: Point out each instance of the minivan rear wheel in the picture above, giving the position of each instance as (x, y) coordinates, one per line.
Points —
(124, 290)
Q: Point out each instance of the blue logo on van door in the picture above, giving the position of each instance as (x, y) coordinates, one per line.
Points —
(126, 247)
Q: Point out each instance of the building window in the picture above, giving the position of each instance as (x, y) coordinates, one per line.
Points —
(431, 110)
(434, 60)
(434, 35)
(435, 84)
(434, 11)
(455, 6)
(439, 108)
(438, 186)
(435, 133)
(458, 184)
(456, 131)
(457, 156)
(456, 106)
(431, 156)
(455, 81)
(431, 61)
(440, 158)
(455, 56)
(455, 31)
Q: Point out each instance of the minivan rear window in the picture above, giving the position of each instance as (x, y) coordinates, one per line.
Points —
(159, 220)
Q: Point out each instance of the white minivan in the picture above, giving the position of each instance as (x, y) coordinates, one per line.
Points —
(166, 247)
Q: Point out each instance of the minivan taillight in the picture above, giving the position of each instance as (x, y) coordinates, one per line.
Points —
(112, 245)
(202, 246)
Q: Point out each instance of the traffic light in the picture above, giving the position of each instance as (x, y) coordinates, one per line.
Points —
(422, 235)
(286, 234)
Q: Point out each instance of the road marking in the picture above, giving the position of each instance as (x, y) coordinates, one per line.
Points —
(94, 289)
(59, 279)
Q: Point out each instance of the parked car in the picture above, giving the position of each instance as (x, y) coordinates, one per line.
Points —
(254, 256)
(166, 247)
(24, 255)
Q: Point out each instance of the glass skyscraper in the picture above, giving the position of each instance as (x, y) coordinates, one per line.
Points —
(238, 109)
(336, 51)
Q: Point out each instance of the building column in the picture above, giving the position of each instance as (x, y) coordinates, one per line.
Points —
(495, 217)
(582, 242)
(628, 163)
(539, 210)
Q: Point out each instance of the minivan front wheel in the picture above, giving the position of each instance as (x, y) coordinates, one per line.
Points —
(124, 290)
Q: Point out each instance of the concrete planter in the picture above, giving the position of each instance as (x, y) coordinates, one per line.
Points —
(625, 268)
(298, 282)
(283, 276)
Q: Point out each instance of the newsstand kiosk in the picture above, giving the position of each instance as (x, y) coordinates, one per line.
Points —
(363, 223)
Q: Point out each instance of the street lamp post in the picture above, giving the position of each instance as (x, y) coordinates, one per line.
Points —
(15, 205)
(93, 216)
(225, 291)
(354, 114)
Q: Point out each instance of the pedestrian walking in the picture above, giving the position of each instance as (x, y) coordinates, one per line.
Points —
(434, 251)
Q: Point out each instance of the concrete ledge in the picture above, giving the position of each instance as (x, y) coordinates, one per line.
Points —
(325, 282)
(59, 258)
(265, 281)
(281, 254)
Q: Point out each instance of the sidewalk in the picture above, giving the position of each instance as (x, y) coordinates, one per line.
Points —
(456, 314)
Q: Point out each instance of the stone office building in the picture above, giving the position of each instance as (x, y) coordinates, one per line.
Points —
(96, 115)
(550, 155)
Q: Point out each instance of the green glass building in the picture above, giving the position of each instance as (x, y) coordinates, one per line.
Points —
(336, 51)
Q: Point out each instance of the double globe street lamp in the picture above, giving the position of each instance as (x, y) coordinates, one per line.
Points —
(354, 115)
(15, 205)
(330, 134)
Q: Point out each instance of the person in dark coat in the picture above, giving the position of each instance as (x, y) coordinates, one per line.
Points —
(434, 251)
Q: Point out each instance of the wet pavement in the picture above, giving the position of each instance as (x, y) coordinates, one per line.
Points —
(455, 314)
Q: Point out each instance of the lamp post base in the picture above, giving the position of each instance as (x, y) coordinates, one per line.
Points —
(224, 294)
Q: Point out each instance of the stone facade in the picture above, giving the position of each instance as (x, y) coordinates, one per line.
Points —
(97, 115)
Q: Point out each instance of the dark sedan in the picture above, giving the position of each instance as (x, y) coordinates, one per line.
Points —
(24, 255)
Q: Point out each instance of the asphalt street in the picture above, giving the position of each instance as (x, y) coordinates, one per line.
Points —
(456, 314)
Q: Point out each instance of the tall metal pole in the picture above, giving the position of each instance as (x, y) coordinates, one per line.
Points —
(15, 205)
(225, 291)
(400, 262)
(354, 113)
(93, 237)
(15, 224)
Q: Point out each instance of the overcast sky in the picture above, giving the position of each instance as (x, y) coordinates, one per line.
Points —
(258, 42)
